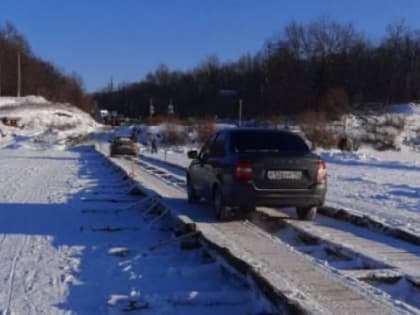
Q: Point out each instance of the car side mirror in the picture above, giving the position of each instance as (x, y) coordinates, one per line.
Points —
(192, 154)
(203, 157)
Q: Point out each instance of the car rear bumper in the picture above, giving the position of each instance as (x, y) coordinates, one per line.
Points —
(120, 151)
(244, 195)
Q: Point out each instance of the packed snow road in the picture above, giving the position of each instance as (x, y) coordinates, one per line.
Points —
(73, 241)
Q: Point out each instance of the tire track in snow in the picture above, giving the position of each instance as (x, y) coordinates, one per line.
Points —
(31, 283)
(16, 183)
(3, 238)
(29, 280)
(12, 273)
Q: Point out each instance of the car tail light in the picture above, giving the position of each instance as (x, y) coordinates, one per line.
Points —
(243, 170)
(321, 175)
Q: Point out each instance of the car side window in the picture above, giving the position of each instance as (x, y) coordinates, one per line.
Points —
(217, 148)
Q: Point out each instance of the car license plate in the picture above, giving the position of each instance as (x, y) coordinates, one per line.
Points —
(279, 175)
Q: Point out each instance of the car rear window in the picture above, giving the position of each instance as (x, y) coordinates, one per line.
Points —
(267, 141)
(123, 140)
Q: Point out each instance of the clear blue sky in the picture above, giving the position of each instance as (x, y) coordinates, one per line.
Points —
(126, 39)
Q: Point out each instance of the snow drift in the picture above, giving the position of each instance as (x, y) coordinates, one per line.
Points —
(40, 122)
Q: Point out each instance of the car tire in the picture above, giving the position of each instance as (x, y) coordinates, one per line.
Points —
(248, 209)
(191, 193)
(222, 212)
(244, 213)
(307, 213)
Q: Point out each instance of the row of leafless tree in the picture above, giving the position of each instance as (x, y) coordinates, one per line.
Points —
(320, 66)
(37, 76)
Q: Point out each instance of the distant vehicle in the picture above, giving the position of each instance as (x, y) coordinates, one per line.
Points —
(123, 146)
(240, 169)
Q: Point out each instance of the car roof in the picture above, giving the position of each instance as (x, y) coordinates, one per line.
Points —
(122, 138)
(258, 130)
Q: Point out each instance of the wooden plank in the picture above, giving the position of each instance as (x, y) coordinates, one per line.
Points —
(394, 253)
(378, 274)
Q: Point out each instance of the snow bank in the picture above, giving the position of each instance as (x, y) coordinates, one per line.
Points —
(42, 123)
(397, 127)
(7, 101)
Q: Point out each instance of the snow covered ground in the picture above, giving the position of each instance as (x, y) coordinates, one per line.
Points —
(382, 185)
(68, 245)
(71, 243)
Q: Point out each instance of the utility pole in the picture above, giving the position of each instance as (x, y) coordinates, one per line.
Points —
(151, 107)
(19, 79)
(171, 110)
(240, 112)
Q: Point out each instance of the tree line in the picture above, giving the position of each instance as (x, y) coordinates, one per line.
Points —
(320, 66)
(38, 77)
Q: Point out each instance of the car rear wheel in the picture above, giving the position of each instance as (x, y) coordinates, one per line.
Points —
(191, 193)
(244, 213)
(248, 209)
(307, 214)
(222, 212)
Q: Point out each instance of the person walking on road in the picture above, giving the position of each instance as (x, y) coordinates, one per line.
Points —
(154, 145)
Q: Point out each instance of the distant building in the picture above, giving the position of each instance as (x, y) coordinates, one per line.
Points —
(108, 117)
(10, 121)
(104, 113)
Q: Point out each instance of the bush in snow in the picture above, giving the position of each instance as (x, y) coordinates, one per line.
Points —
(314, 126)
(173, 134)
(346, 143)
(205, 129)
(383, 131)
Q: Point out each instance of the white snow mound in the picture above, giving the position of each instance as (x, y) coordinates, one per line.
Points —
(42, 123)
(7, 101)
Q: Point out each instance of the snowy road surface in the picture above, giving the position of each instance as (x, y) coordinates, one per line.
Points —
(64, 249)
